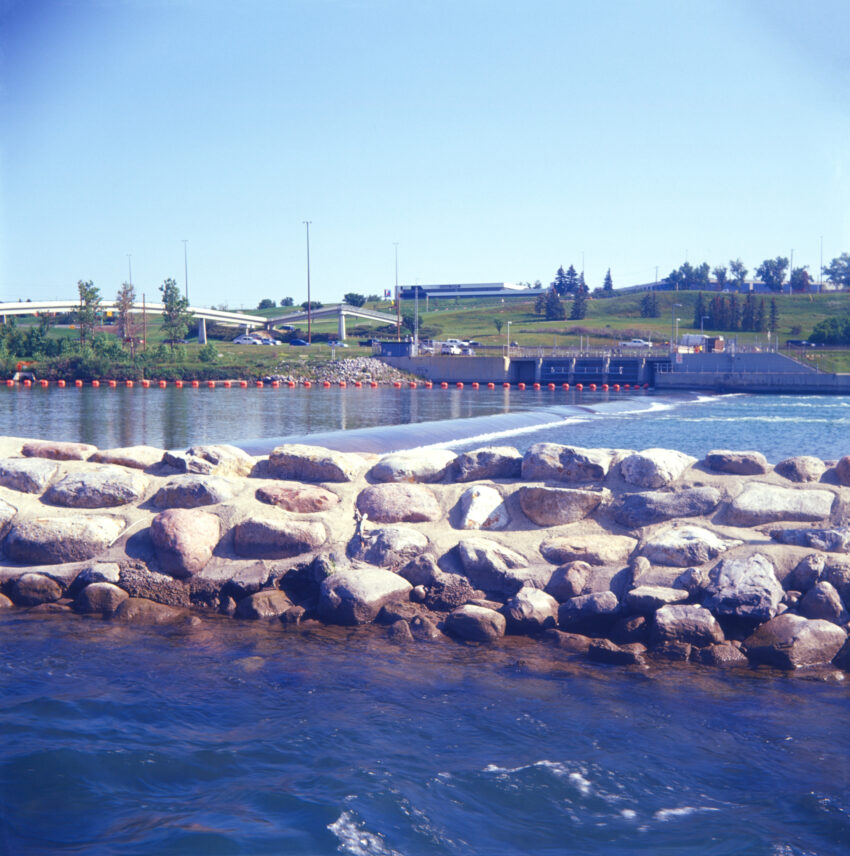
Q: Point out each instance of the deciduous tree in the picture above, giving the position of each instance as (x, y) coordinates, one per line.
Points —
(87, 310)
(354, 299)
(720, 277)
(739, 273)
(838, 270)
(772, 272)
(175, 317)
(125, 302)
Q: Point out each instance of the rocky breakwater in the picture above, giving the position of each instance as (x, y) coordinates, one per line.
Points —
(624, 557)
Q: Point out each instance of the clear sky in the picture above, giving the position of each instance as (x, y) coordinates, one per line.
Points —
(492, 140)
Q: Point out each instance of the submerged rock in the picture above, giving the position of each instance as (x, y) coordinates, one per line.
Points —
(476, 624)
(104, 598)
(266, 604)
(356, 595)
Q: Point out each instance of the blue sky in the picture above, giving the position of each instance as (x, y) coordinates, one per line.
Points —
(492, 140)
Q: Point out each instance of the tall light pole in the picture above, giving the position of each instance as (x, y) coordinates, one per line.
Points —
(309, 305)
(416, 320)
(673, 325)
(186, 267)
(702, 324)
(397, 299)
(508, 340)
(130, 268)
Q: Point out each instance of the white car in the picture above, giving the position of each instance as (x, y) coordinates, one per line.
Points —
(247, 340)
(449, 349)
(636, 343)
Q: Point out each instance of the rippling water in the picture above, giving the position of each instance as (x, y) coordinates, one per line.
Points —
(232, 738)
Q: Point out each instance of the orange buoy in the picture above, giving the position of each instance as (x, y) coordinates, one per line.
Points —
(616, 387)
(459, 384)
(210, 384)
(520, 385)
(146, 383)
(61, 384)
(43, 383)
(550, 386)
(258, 384)
(78, 383)
(565, 387)
(243, 384)
(536, 385)
(163, 384)
(94, 383)
(291, 384)
(358, 384)
(28, 382)
(444, 385)
(579, 387)
(228, 384)
(373, 384)
(307, 384)
(326, 384)
(626, 386)
(342, 384)
(491, 385)
(9, 382)
(646, 386)
(593, 387)
(112, 384)
(397, 384)
(178, 384)
(475, 384)
(604, 387)
(506, 385)
(195, 384)
(275, 384)
(429, 384)
(129, 384)
(411, 384)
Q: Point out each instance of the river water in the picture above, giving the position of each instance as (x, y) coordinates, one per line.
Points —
(230, 738)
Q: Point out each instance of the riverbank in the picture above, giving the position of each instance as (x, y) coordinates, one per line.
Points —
(622, 557)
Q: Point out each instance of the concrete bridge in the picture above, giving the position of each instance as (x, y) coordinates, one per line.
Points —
(340, 311)
(220, 316)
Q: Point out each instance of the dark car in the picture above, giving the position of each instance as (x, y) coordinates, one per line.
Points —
(298, 343)
(800, 343)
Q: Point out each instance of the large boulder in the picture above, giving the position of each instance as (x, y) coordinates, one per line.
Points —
(822, 601)
(836, 571)
(194, 491)
(829, 540)
(184, 540)
(426, 465)
(767, 503)
(689, 624)
(28, 475)
(356, 595)
(443, 591)
(482, 507)
(589, 613)
(493, 567)
(33, 589)
(265, 604)
(601, 549)
(554, 462)
(475, 623)
(791, 641)
(634, 510)
(806, 573)
(140, 610)
(492, 462)
(7, 514)
(647, 599)
(277, 537)
(390, 546)
(135, 457)
(724, 655)
(298, 498)
(106, 487)
(683, 546)
(212, 460)
(531, 610)
(737, 463)
(53, 540)
(654, 468)
(553, 506)
(314, 464)
(744, 587)
(842, 471)
(58, 451)
(399, 503)
(802, 468)
(96, 572)
(104, 598)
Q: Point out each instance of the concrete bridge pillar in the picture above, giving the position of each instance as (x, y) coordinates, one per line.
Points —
(538, 370)
(341, 328)
(606, 368)
(202, 331)
(571, 373)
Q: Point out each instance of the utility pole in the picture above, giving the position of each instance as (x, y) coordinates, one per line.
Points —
(144, 325)
(397, 298)
(186, 268)
(309, 304)
(130, 268)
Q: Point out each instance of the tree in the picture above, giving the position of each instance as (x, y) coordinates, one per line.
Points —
(739, 273)
(831, 331)
(498, 324)
(608, 285)
(314, 304)
(838, 270)
(700, 277)
(540, 304)
(561, 283)
(87, 310)
(800, 279)
(734, 314)
(699, 311)
(748, 316)
(689, 277)
(720, 277)
(266, 303)
(175, 319)
(554, 308)
(774, 315)
(772, 272)
(287, 301)
(649, 306)
(354, 299)
(579, 307)
(761, 317)
(124, 304)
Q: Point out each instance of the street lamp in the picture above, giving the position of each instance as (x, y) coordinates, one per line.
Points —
(702, 324)
(309, 305)
(130, 268)
(508, 340)
(397, 301)
(186, 267)
(673, 324)
(677, 330)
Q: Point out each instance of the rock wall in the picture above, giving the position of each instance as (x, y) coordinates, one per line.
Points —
(619, 555)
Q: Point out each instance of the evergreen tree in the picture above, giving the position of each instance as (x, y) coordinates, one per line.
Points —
(554, 308)
(774, 315)
(175, 318)
(540, 304)
(561, 283)
(571, 280)
(761, 317)
(649, 305)
(87, 310)
(579, 307)
(748, 316)
(734, 313)
(699, 311)
(608, 285)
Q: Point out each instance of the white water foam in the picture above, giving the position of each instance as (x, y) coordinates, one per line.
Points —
(576, 778)
(665, 814)
(508, 432)
(355, 839)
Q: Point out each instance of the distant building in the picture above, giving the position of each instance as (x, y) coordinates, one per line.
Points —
(469, 289)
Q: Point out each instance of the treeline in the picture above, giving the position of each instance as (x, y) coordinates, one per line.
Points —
(832, 331)
(731, 314)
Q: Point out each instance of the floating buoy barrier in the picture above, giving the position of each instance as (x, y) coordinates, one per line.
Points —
(342, 384)
(94, 383)
(10, 382)
(550, 386)
(195, 384)
(605, 387)
(646, 386)
(112, 384)
(429, 384)
(475, 384)
(397, 384)
(178, 384)
(326, 384)
(210, 384)
(60, 384)
(626, 386)
(129, 384)
(243, 384)
(491, 385)
(78, 383)
(444, 385)
(43, 383)
(506, 385)
(358, 384)
(163, 384)
(565, 387)
(579, 387)
(275, 384)
(228, 384)
(373, 384)
(412, 384)
(592, 387)
(27, 382)
(307, 384)
(291, 384)
(258, 384)
(616, 387)
(536, 385)
(459, 384)
(520, 385)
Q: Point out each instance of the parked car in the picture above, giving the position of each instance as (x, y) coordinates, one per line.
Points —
(336, 344)
(449, 349)
(636, 343)
(457, 342)
(467, 352)
(268, 341)
(247, 340)
(800, 343)
(298, 343)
